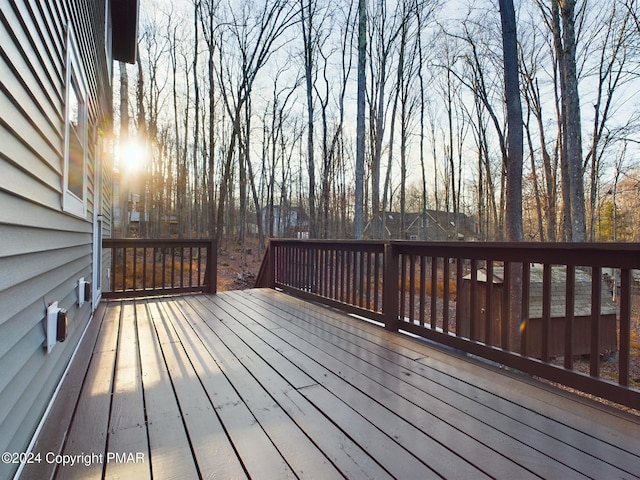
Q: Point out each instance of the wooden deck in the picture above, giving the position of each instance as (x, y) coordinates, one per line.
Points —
(257, 384)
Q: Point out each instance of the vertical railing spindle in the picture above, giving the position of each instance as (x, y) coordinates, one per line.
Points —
(423, 290)
(445, 294)
(526, 296)
(625, 327)
(596, 308)
(546, 311)
(488, 310)
(434, 290)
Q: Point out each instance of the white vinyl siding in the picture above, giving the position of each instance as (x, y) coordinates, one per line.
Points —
(55, 98)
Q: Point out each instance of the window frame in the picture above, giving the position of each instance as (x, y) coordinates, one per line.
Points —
(108, 40)
(75, 80)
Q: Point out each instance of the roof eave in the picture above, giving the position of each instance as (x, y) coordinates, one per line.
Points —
(124, 20)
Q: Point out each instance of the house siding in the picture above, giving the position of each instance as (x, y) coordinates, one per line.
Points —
(43, 250)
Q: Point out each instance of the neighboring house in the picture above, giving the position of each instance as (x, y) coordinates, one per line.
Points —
(439, 226)
(286, 222)
(55, 188)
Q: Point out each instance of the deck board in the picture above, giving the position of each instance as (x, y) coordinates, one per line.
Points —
(257, 384)
(211, 447)
(420, 428)
(127, 429)
(260, 456)
(283, 385)
(89, 430)
(170, 453)
(380, 424)
(507, 435)
(297, 450)
(397, 460)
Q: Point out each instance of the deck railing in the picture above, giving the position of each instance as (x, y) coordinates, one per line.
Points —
(141, 267)
(562, 312)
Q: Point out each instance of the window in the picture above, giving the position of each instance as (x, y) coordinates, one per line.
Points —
(75, 148)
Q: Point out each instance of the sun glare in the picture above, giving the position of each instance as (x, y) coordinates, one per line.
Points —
(133, 157)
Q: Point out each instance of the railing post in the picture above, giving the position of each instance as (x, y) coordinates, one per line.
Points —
(271, 265)
(390, 287)
(212, 267)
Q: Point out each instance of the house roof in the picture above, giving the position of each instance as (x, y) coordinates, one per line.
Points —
(453, 225)
(124, 21)
(302, 215)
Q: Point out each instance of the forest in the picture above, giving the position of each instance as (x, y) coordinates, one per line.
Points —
(366, 118)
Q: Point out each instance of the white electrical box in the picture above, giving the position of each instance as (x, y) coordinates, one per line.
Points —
(81, 290)
(52, 326)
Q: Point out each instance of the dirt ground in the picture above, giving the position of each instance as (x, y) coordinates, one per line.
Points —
(237, 270)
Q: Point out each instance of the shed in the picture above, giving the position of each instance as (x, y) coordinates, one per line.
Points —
(533, 325)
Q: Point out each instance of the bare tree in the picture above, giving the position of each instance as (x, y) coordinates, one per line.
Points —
(385, 29)
(514, 122)
(360, 121)
(196, 117)
(208, 12)
(514, 161)
(455, 70)
(255, 37)
(407, 70)
(572, 148)
(423, 100)
(276, 116)
(141, 126)
(180, 65)
(333, 151)
(547, 203)
(613, 70)
(151, 101)
(310, 39)
(560, 18)
(478, 73)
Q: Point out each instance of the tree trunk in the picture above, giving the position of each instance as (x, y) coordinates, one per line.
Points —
(573, 133)
(513, 221)
(143, 188)
(513, 224)
(196, 126)
(308, 40)
(124, 139)
(360, 132)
